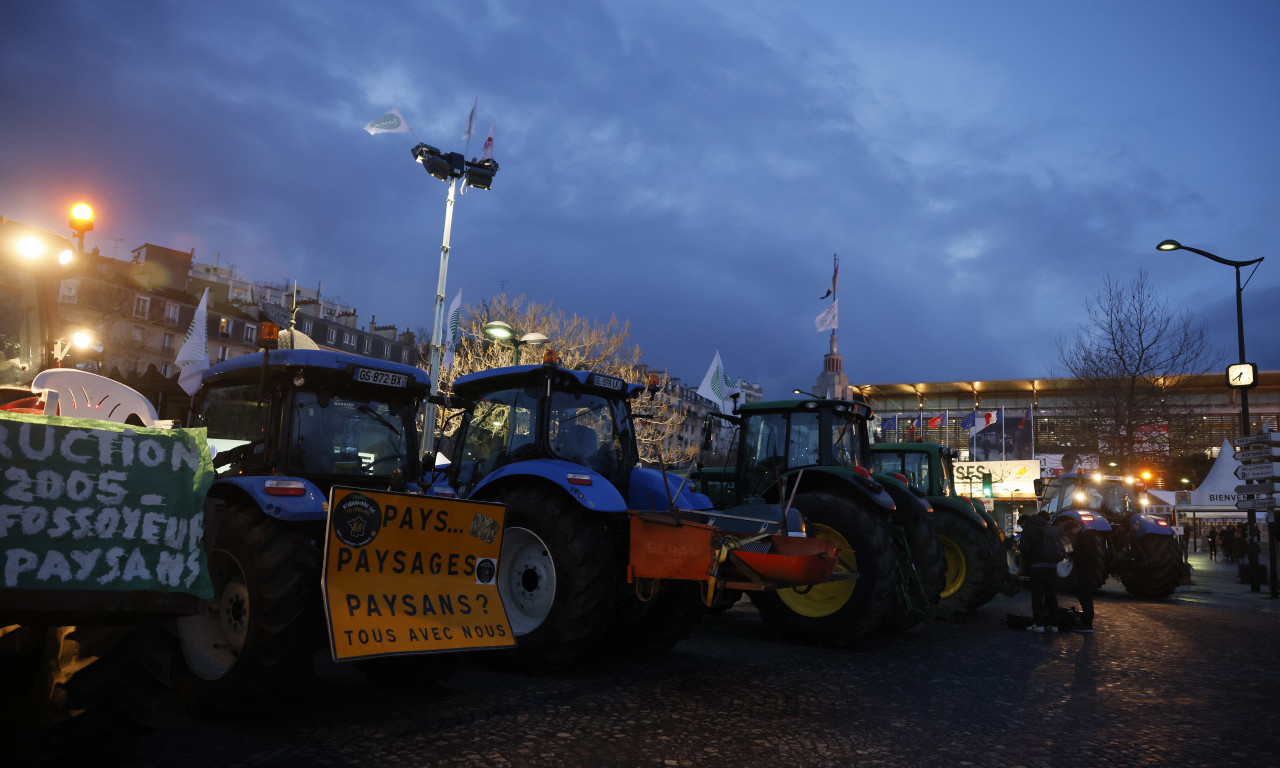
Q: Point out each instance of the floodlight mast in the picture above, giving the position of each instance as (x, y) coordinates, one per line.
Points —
(450, 167)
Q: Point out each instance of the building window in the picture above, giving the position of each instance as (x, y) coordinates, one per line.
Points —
(164, 369)
(364, 345)
(222, 352)
(386, 351)
(332, 336)
(404, 355)
(224, 327)
(135, 334)
(250, 333)
(306, 327)
(171, 314)
(166, 343)
(141, 306)
(348, 339)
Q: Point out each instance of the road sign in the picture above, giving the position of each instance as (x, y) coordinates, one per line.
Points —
(1262, 438)
(1256, 471)
(1266, 452)
(1258, 488)
(1265, 503)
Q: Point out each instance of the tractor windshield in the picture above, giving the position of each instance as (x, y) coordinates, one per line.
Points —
(1111, 498)
(590, 430)
(348, 435)
(500, 429)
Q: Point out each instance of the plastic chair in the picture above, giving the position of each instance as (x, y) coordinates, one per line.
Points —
(80, 394)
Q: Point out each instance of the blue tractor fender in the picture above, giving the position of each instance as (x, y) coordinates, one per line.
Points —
(1143, 525)
(1086, 519)
(648, 489)
(291, 499)
(585, 486)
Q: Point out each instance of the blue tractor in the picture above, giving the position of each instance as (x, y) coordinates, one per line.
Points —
(285, 426)
(1132, 544)
(598, 548)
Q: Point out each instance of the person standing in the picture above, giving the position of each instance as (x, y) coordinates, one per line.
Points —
(1213, 544)
(1085, 556)
(1041, 551)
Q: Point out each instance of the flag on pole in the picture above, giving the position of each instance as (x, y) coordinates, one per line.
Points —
(829, 318)
(193, 355)
(486, 152)
(937, 422)
(834, 277)
(471, 120)
(888, 422)
(452, 331)
(716, 385)
(392, 122)
(969, 420)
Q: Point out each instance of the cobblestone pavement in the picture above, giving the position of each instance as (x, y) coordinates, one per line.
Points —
(1191, 681)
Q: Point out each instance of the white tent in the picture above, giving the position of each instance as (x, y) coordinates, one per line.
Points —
(1214, 499)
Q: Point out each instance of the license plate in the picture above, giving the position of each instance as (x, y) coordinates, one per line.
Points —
(384, 378)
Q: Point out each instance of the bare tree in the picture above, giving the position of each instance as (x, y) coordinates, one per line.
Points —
(578, 343)
(1134, 356)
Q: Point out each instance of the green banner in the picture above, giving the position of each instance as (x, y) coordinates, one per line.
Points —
(87, 504)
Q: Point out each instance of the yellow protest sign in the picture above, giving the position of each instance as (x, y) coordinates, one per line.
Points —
(410, 574)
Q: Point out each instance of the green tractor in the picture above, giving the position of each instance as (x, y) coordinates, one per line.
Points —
(813, 454)
(972, 542)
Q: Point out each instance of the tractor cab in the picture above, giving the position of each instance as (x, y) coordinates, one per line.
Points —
(1113, 497)
(531, 412)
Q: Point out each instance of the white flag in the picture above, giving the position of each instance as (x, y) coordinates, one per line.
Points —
(193, 355)
(486, 152)
(716, 386)
(452, 330)
(392, 122)
(829, 319)
(471, 120)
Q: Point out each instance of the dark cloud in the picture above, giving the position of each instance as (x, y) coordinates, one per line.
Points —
(690, 167)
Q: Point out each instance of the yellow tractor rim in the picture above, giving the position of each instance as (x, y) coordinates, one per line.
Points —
(824, 599)
(957, 567)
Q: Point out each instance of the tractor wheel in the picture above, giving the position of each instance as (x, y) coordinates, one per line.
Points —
(74, 694)
(1155, 573)
(558, 577)
(1069, 575)
(972, 573)
(924, 574)
(254, 640)
(662, 621)
(837, 612)
(724, 601)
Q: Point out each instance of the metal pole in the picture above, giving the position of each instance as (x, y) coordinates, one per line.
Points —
(1255, 582)
(437, 330)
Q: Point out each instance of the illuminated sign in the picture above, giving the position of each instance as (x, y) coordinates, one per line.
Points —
(406, 574)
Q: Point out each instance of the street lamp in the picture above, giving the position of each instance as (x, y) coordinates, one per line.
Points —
(501, 332)
(1246, 373)
(479, 174)
(81, 222)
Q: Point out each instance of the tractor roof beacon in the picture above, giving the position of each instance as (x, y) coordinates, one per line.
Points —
(596, 547)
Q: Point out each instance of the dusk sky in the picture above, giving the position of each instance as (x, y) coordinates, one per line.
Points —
(691, 167)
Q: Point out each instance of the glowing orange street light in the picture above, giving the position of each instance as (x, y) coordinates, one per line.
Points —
(81, 222)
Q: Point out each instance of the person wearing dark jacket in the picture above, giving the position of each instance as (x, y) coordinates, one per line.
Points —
(1041, 550)
(1085, 556)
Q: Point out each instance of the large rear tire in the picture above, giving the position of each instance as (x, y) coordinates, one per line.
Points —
(1157, 562)
(837, 612)
(1069, 574)
(252, 645)
(558, 577)
(972, 574)
(80, 694)
(924, 570)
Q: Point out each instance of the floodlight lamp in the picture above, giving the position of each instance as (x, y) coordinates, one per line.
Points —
(480, 174)
(81, 218)
(498, 330)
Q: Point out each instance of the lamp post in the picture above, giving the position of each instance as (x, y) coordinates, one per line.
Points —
(478, 174)
(501, 332)
(1248, 376)
(81, 221)
(1174, 245)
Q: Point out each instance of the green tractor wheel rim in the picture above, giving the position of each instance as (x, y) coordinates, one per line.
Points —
(824, 599)
(957, 566)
